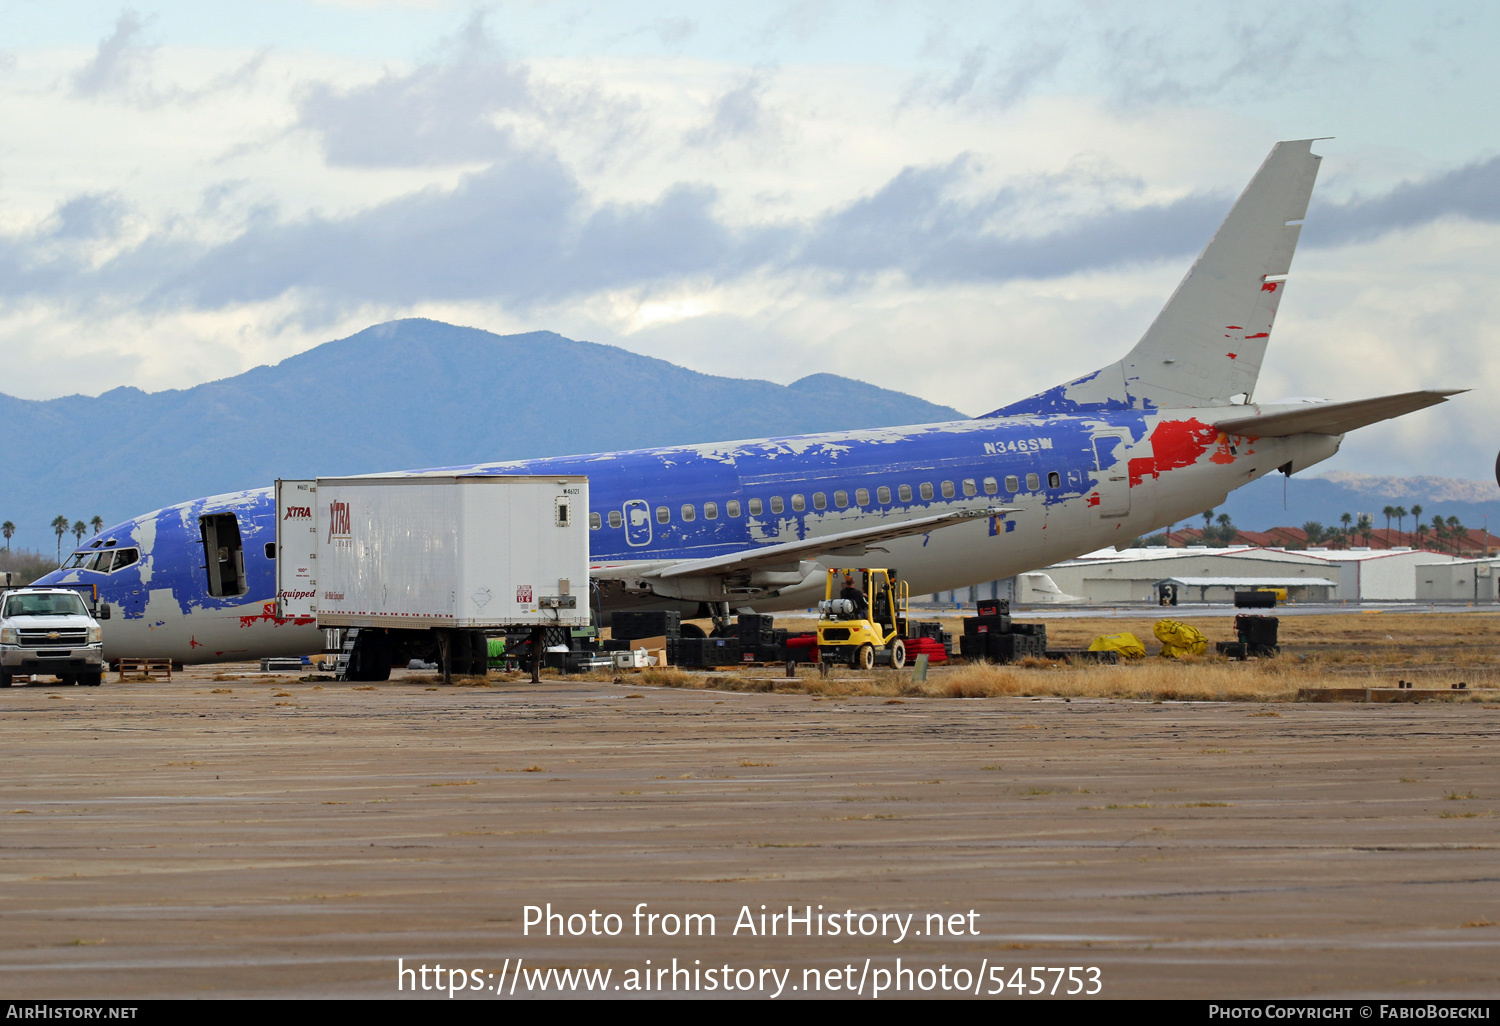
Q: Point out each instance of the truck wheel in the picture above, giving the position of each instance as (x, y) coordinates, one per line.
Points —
(371, 658)
(864, 659)
(5, 679)
(898, 654)
(68, 680)
(91, 680)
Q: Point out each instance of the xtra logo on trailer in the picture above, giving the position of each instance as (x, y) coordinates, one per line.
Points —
(298, 513)
(338, 520)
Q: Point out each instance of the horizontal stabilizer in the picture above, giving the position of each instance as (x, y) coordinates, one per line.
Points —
(1331, 418)
(832, 544)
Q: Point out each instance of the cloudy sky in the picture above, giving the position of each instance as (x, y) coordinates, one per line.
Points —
(965, 201)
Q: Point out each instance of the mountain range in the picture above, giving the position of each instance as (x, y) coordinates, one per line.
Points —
(401, 395)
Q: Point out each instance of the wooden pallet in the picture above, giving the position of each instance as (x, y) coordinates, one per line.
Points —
(146, 669)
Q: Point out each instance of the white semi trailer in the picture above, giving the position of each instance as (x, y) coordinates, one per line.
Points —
(422, 566)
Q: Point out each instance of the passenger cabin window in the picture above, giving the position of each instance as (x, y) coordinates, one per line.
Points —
(755, 507)
(270, 552)
(225, 554)
(948, 490)
(820, 501)
(969, 488)
(1033, 483)
(905, 492)
(862, 496)
(841, 499)
(689, 514)
(776, 504)
(927, 490)
(991, 486)
(798, 503)
(883, 494)
(732, 507)
(595, 521)
(1054, 479)
(1012, 483)
(663, 515)
(710, 511)
(615, 519)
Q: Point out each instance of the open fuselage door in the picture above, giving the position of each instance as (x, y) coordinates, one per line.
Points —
(296, 549)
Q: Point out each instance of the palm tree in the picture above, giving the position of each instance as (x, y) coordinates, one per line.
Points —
(60, 525)
(79, 530)
(1389, 512)
(1416, 519)
(1346, 520)
(1421, 533)
(1458, 533)
(1439, 531)
(1226, 529)
(1400, 518)
(8, 529)
(1366, 527)
(1314, 531)
(97, 523)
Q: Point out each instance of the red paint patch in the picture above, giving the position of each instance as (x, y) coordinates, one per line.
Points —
(1094, 499)
(1262, 334)
(1140, 467)
(1234, 327)
(193, 642)
(1234, 356)
(268, 614)
(1269, 286)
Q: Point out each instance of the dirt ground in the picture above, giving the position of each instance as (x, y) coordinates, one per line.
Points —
(258, 836)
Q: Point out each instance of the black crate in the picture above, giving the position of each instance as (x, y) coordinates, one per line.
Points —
(1255, 600)
(651, 623)
(755, 625)
(721, 651)
(1263, 651)
(1257, 630)
(685, 651)
(1231, 649)
(974, 646)
(926, 629)
(993, 607)
(1035, 629)
(986, 624)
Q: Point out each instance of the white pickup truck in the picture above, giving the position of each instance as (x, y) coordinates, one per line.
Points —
(50, 631)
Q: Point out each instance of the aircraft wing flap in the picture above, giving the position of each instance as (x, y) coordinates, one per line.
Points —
(1333, 418)
(791, 552)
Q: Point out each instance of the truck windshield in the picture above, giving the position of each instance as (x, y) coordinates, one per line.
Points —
(51, 604)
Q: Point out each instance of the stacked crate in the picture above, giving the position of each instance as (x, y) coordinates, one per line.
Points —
(994, 636)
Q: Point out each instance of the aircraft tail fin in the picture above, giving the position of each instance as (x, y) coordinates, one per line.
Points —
(1205, 346)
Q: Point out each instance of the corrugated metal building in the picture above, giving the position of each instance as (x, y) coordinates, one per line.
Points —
(1461, 580)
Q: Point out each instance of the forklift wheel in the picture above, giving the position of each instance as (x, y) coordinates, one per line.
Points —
(865, 657)
(898, 654)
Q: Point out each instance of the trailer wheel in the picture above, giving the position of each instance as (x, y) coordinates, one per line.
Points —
(479, 654)
(460, 653)
(898, 654)
(371, 658)
(864, 659)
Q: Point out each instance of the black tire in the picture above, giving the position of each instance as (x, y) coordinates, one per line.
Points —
(6, 679)
(91, 680)
(69, 680)
(691, 630)
(898, 654)
(460, 653)
(371, 658)
(864, 658)
(479, 654)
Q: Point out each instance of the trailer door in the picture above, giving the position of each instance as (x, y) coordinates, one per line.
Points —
(296, 549)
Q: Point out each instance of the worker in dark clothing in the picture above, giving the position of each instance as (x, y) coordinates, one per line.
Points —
(853, 594)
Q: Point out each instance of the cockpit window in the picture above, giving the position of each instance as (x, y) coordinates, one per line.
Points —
(124, 558)
(104, 561)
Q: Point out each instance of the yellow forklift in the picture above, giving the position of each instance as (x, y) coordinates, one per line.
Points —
(862, 617)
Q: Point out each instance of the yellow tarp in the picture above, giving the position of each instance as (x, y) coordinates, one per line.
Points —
(1128, 645)
(1178, 639)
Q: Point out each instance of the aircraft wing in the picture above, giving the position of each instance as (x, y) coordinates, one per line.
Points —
(844, 543)
(1331, 418)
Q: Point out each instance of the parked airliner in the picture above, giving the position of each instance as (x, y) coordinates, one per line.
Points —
(1158, 436)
